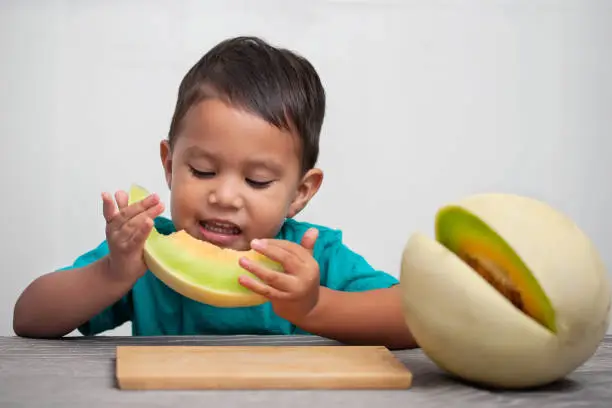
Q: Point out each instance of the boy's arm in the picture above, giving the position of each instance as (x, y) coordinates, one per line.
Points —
(59, 302)
(55, 304)
(369, 317)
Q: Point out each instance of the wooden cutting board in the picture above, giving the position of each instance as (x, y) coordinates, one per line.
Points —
(259, 367)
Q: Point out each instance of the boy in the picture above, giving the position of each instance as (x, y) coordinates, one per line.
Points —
(240, 164)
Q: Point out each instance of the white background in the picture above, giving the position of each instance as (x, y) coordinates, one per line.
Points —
(427, 101)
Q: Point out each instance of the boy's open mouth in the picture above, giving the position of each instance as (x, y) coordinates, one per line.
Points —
(221, 227)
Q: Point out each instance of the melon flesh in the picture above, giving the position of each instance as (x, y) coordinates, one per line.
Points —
(200, 270)
(475, 331)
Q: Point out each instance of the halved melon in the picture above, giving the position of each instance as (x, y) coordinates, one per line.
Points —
(200, 270)
(511, 293)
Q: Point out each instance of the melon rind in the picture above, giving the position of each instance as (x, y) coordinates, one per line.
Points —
(199, 270)
(470, 330)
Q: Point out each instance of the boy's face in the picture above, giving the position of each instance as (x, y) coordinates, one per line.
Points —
(234, 177)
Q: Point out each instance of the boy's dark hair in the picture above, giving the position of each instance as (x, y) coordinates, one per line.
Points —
(276, 84)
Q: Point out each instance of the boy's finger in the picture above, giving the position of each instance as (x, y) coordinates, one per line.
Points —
(136, 222)
(261, 288)
(279, 248)
(122, 199)
(153, 212)
(141, 232)
(156, 210)
(108, 207)
(278, 280)
(139, 220)
(310, 238)
(282, 254)
(132, 231)
(131, 211)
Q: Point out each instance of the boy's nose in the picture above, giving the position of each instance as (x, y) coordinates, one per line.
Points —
(225, 195)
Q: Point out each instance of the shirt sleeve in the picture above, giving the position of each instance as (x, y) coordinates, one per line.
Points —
(344, 270)
(112, 316)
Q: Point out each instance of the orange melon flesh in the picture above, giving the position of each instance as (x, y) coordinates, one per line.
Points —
(488, 254)
(200, 270)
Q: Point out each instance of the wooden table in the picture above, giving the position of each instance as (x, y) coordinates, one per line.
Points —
(79, 372)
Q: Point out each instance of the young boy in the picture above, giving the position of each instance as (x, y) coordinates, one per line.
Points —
(240, 164)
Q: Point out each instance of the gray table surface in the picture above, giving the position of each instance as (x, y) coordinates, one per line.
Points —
(79, 372)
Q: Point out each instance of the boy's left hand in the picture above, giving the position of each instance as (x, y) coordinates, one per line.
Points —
(295, 292)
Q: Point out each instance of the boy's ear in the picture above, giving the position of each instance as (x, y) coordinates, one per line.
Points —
(308, 187)
(166, 159)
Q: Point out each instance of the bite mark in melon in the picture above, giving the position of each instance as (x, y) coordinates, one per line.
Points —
(199, 270)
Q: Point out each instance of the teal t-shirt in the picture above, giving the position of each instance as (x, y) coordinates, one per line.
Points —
(155, 309)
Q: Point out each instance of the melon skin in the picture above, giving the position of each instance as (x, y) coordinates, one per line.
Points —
(470, 330)
(200, 270)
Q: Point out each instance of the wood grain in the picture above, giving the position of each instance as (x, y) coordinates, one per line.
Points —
(259, 367)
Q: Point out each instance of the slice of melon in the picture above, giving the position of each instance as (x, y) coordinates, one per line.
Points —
(535, 307)
(200, 270)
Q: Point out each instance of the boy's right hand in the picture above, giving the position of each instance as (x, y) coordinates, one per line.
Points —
(127, 228)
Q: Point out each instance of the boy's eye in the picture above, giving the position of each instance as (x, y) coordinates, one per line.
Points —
(209, 174)
(258, 184)
(201, 174)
